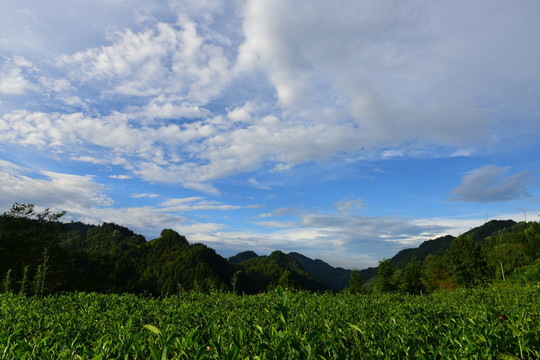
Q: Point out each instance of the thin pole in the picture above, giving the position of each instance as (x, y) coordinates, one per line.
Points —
(502, 272)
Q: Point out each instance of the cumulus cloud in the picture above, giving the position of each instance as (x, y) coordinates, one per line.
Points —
(492, 184)
(191, 97)
(12, 76)
(61, 191)
(166, 59)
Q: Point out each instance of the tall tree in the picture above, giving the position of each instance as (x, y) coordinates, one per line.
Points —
(355, 282)
(387, 277)
(435, 277)
(24, 234)
(412, 277)
(466, 263)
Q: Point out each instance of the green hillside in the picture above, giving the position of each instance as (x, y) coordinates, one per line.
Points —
(39, 254)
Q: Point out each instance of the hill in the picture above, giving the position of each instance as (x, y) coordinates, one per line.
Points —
(37, 249)
(259, 273)
(336, 277)
(243, 256)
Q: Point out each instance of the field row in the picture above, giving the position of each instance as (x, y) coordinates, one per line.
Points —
(472, 324)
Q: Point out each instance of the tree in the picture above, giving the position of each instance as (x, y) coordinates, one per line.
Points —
(285, 280)
(355, 282)
(412, 277)
(25, 236)
(435, 277)
(532, 235)
(387, 277)
(466, 263)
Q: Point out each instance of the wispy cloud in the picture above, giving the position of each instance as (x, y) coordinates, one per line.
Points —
(347, 204)
(12, 76)
(147, 195)
(120, 177)
(492, 184)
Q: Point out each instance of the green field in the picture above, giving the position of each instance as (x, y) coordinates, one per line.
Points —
(464, 324)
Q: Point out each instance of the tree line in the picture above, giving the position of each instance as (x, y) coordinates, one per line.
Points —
(508, 253)
(39, 255)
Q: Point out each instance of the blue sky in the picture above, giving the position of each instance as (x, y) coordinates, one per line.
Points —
(344, 130)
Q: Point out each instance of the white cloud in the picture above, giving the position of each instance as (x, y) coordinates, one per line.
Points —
(195, 203)
(81, 196)
(258, 185)
(396, 79)
(341, 240)
(60, 191)
(491, 184)
(148, 195)
(145, 220)
(279, 212)
(275, 224)
(12, 76)
(120, 177)
(169, 58)
(349, 204)
(400, 70)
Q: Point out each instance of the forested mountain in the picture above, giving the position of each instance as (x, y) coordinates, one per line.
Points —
(262, 272)
(436, 246)
(243, 256)
(39, 254)
(326, 275)
(337, 278)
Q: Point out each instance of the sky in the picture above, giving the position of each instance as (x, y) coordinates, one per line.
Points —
(345, 130)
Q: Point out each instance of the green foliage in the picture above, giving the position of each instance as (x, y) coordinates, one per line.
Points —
(466, 263)
(112, 258)
(435, 277)
(463, 324)
(436, 246)
(337, 278)
(356, 282)
(413, 278)
(388, 278)
(259, 274)
(22, 290)
(7, 282)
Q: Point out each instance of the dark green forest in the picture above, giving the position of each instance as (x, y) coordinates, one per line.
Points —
(39, 254)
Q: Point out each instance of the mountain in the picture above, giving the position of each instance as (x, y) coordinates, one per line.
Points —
(436, 247)
(337, 278)
(259, 273)
(243, 256)
(439, 245)
(112, 258)
(481, 233)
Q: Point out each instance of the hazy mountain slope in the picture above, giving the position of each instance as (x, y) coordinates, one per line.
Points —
(336, 277)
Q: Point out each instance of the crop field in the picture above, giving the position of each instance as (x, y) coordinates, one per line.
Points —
(464, 324)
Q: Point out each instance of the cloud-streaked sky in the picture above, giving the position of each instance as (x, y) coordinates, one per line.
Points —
(345, 130)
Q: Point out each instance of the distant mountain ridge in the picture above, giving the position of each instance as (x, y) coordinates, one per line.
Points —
(112, 258)
(338, 278)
